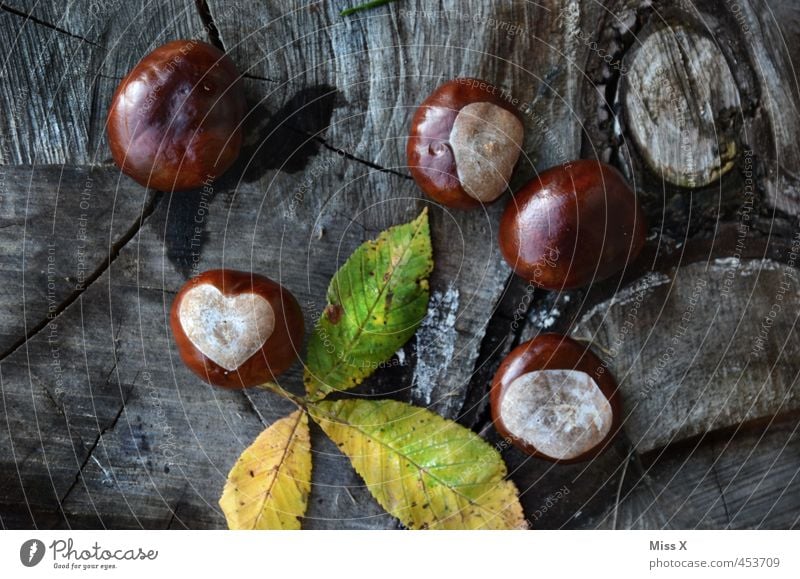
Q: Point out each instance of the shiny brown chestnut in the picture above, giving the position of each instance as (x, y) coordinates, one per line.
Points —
(572, 225)
(175, 120)
(554, 399)
(464, 143)
(236, 329)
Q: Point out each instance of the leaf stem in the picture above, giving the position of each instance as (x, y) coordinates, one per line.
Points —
(278, 389)
(365, 6)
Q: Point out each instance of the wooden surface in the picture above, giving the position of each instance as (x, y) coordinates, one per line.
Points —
(104, 427)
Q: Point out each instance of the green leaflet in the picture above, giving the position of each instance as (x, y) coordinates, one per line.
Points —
(376, 301)
(426, 471)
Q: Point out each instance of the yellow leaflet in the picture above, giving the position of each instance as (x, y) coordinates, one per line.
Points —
(268, 486)
(429, 472)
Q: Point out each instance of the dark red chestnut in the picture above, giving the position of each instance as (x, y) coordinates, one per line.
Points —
(175, 121)
(236, 329)
(554, 399)
(574, 224)
(465, 140)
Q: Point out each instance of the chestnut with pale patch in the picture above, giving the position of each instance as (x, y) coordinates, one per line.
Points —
(554, 399)
(562, 413)
(228, 330)
(236, 329)
(465, 140)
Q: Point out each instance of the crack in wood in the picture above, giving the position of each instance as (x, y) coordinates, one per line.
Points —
(263, 78)
(174, 510)
(352, 157)
(111, 426)
(19, 13)
(256, 411)
(209, 24)
(718, 483)
(95, 88)
(490, 355)
(116, 248)
(79, 474)
(59, 409)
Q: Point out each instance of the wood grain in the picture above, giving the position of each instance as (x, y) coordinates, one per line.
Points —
(681, 106)
(746, 481)
(59, 229)
(708, 347)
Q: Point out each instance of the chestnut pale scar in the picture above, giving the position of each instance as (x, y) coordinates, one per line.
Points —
(226, 329)
(486, 141)
(562, 413)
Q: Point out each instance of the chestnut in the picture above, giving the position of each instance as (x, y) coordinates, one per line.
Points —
(554, 399)
(175, 119)
(574, 224)
(236, 329)
(465, 140)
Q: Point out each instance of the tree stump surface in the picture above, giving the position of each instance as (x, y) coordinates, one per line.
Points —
(696, 104)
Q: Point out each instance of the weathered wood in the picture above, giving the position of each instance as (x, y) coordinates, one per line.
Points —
(777, 105)
(565, 496)
(709, 347)
(328, 210)
(744, 481)
(62, 66)
(749, 38)
(681, 106)
(406, 61)
(59, 227)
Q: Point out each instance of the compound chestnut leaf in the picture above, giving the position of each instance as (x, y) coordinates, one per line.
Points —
(268, 487)
(376, 301)
(429, 472)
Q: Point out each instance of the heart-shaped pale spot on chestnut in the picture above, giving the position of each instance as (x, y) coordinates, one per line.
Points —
(236, 329)
(226, 329)
(464, 143)
(554, 399)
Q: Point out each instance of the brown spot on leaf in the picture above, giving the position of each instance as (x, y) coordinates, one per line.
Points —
(334, 313)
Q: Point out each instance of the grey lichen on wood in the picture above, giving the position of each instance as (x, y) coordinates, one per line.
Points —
(680, 105)
(701, 350)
